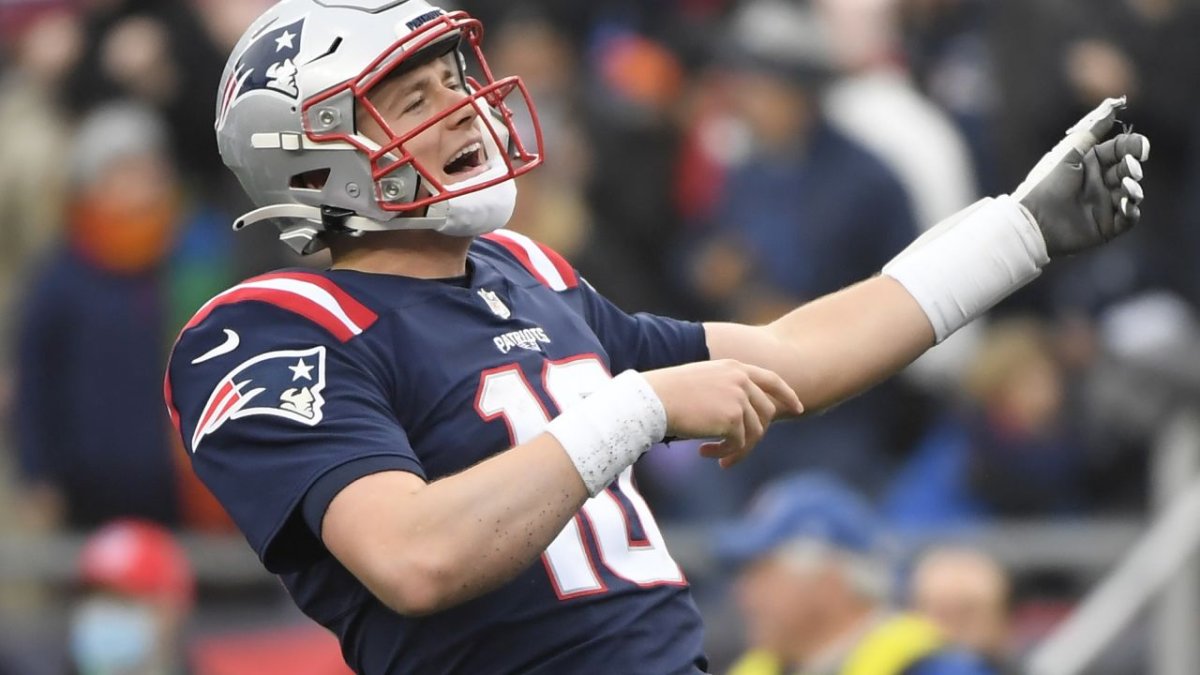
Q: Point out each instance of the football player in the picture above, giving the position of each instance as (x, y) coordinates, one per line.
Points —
(431, 441)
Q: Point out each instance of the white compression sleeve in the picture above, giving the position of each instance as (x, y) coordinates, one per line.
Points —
(964, 265)
(610, 429)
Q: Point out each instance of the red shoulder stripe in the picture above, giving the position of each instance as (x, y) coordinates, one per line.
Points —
(312, 296)
(546, 265)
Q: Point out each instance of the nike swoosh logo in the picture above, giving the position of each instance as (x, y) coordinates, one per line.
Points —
(231, 343)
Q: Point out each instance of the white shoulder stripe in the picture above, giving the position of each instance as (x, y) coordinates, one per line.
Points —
(304, 289)
(538, 257)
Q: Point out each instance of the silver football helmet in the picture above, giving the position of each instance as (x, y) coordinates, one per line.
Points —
(286, 122)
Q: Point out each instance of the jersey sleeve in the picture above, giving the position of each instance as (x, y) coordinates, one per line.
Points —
(638, 341)
(274, 409)
(641, 341)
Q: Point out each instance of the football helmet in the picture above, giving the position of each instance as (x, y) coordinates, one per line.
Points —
(286, 122)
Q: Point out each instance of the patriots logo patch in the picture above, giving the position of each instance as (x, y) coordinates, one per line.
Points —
(269, 63)
(285, 383)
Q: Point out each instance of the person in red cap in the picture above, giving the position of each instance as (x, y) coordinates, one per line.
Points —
(139, 589)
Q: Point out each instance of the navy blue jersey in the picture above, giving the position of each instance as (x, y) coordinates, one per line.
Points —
(290, 386)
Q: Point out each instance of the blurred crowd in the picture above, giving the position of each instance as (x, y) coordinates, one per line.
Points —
(709, 159)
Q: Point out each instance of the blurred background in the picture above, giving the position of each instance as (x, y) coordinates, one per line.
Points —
(707, 159)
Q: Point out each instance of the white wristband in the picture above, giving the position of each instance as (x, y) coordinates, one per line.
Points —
(610, 429)
(964, 265)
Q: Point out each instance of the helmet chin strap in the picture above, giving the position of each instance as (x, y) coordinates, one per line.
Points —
(467, 215)
(482, 211)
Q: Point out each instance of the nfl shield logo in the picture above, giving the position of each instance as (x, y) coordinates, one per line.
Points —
(494, 303)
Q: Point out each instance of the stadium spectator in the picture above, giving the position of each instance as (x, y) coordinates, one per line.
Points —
(814, 587)
(92, 442)
(874, 101)
(631, 102)
(161, 55)
(967, 594)
(41, 47)
(39, 43)
(803, 213)
(552, 205)
(947, 50)
(138, 591)
(1149, 47)
(1009, 452)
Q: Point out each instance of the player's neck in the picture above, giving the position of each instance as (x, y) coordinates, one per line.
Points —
(422, 254)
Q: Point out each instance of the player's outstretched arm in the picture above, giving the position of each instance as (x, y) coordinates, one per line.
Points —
(1081, 194)
(421, 548)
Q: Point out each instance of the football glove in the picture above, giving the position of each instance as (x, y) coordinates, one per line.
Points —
(1085, 192)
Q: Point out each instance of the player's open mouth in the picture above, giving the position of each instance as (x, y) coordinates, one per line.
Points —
(466, 162)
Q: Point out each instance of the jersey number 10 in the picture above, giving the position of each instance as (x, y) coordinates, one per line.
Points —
(642, 560)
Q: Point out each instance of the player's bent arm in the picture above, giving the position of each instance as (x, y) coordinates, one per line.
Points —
(423, 547)
(835, 346)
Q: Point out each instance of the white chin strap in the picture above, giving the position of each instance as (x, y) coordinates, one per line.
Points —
(478, 212)
(468, 215)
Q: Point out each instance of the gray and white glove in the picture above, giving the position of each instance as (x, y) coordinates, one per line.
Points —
(1085, 192)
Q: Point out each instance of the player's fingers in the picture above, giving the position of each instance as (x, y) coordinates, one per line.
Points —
(764, 406)
(1129, 193)
(1124, 223)
(1096, 124)
(1106, 152)
(774, 386)
(723, 449)
(1127, 167)
(754, 425)
(1133, 190)
(733, 459)
(1111, 151)
(1124, 207)
(733, 439)
(1128, 210)
(756, 422)
(1133, 145)
(718, 449)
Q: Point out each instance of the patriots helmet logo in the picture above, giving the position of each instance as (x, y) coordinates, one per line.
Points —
(269, 64)
(285, 383)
